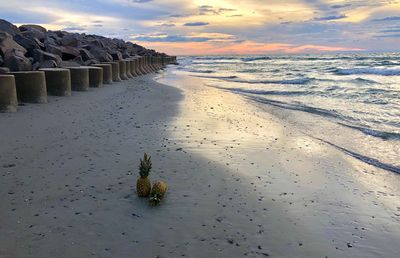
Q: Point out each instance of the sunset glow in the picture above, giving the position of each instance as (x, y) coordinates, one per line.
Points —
(224, 26)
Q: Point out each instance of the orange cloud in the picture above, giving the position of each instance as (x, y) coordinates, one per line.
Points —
(242, 48)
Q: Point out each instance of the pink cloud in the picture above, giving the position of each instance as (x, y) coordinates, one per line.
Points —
(246, 47)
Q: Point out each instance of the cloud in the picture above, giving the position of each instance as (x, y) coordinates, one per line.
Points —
(391, 18)
(141, 1)
(339, 6)
(192, 37)
(168, 25)
(168, 38)
(210, 10)
(241, 47)
(192, 24)
(390, 31)
(388, 36)
(176, 15)
(331, 18)
(352, 23)
(74, 28)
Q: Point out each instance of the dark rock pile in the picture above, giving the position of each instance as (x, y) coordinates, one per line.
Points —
(31, 47)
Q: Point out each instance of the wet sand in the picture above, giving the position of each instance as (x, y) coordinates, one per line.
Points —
(241, 182)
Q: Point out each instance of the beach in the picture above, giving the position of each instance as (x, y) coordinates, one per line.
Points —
(242, 182)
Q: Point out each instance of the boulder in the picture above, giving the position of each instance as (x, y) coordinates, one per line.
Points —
(97, 43)
(29, 44)
(40, 44)
(51, 39)
(15, 60)
(45, 64)
(126, 54)
(69, 64)
(41, 56)
(32, 26)
(116, 55)
(69, 53)
(100, 54)
(11, 29)
(30, 35)
(7, 43)
(91, 62)
(56, 50)
(69, 40)
(85, 54)
(78, 60)
(37, 33)
(4, 70)
(60, 33)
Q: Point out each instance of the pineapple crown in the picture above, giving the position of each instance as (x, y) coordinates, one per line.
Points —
(145, 166)
(155, 199)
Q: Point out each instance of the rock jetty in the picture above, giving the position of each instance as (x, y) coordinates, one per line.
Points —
(30, 48)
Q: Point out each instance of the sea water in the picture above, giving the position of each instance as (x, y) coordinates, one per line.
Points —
(350, 101)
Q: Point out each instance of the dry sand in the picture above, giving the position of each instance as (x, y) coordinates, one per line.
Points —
(242, 183)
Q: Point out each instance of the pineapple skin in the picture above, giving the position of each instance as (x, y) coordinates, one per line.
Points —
(157, 193)
(143, 187)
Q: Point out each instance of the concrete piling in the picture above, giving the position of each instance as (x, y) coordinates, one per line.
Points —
(79, 78)
(8, 93)
(95, 76)
(149, 64)
(122, 69)
(115, 71)
(145, 65)
(58, 81)
(107, 72)
(128, 69)
(138, 68)
(31, 86)
(133, 70)
(141, 66)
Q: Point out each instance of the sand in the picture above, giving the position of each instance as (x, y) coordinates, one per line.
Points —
(242, 183)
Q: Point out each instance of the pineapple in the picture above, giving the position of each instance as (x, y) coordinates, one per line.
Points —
(157, 193)
(143, 185)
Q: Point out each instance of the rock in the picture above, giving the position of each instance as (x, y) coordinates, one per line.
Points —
(48, 64)
(78, 60)
(4, 70)
(56, 50)
(1, 60)
(51, 39)
(85, 54)
(69, 53)
(97, 43)
(100, 54)
(116, 55)
(126, 54)
(41, 56)
(29, 44)
(32, 26)
(69, 64)
(30, 35)
(11, 29)
(69, 40)
(91, 62)
(7, 43)
(16, 61)
(33, 44)
(36, 33)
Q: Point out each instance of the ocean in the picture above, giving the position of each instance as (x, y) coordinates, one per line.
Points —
(350, 101)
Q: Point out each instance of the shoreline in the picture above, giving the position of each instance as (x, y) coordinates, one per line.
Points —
(235, 183)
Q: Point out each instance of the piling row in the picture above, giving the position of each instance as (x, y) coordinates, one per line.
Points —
(35, 86)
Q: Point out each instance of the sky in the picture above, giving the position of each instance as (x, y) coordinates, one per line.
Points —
(216, 27)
